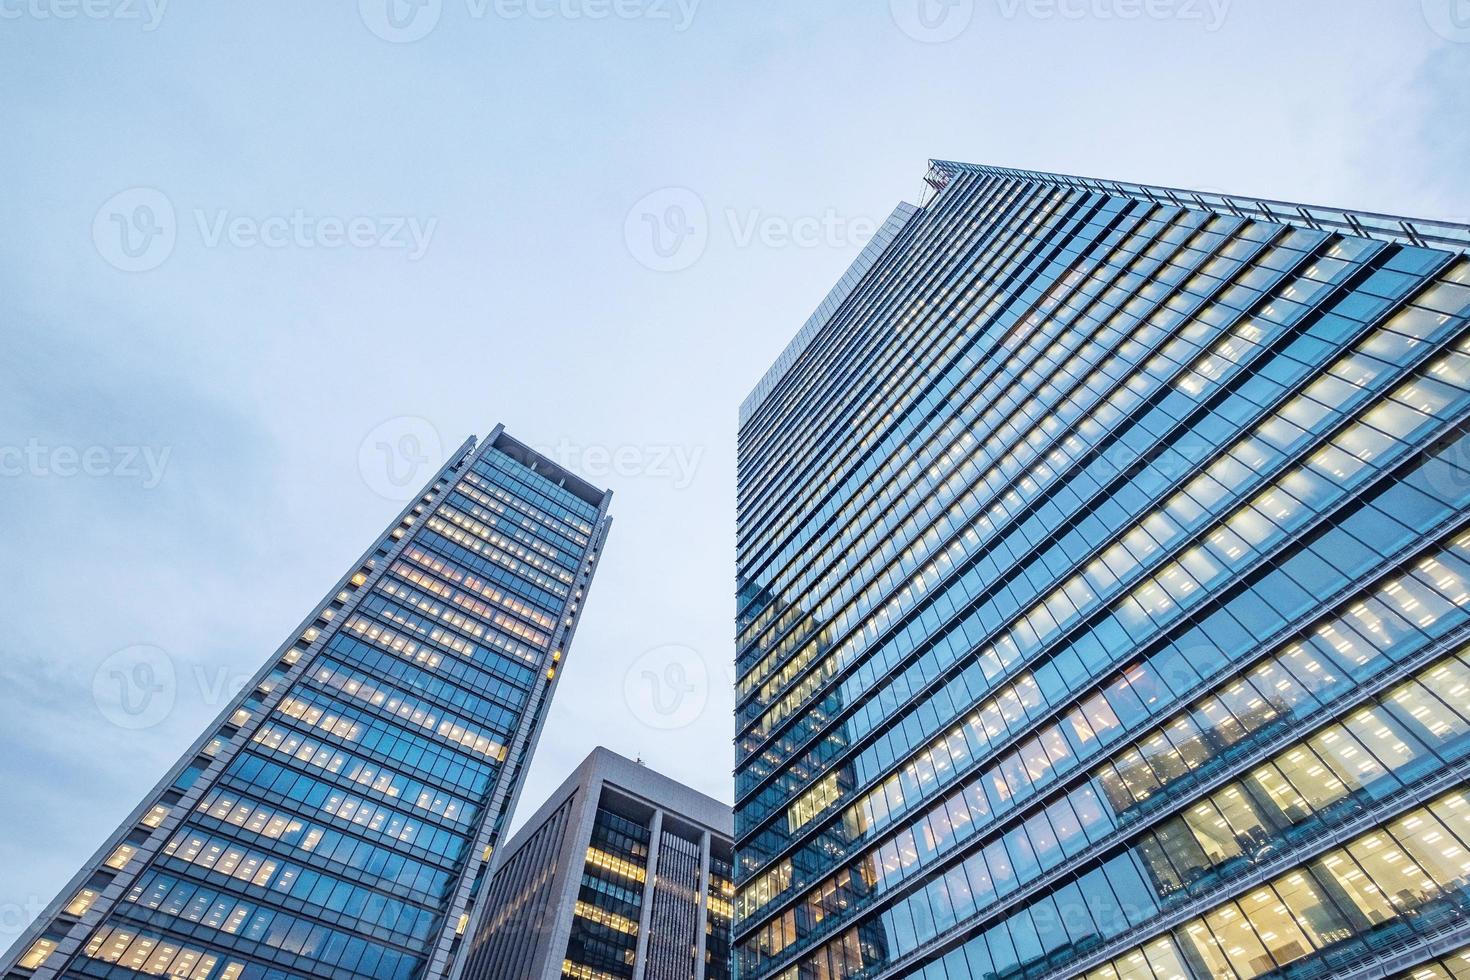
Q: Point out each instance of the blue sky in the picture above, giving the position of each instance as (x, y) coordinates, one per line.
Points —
(369, 228)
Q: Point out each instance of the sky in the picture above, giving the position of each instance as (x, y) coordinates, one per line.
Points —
(261, 263)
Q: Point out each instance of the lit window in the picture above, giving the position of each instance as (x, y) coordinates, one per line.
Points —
(37, 954)
(120, 857)
(81, 902)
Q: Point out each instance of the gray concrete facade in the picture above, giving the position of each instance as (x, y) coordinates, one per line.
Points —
(540, 886)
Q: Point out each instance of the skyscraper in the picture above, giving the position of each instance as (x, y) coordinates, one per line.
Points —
(338, 819)
(623, 874)
(1103, 581)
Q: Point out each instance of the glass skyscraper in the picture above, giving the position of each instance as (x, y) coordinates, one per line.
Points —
(338, 819)
(1104, 596)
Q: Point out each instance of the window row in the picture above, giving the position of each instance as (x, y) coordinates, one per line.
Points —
(561, 533)
(1401, 339)
(996, 263)
(315, 710)
(1099, 369)
(1372, 631)
(487, 675)
(380, 818)
(258, 820)
(354, 772)
(1360, 541)
(334, 898)
(1383, 433)
(509, 537)
(156, 956)
(337, 679)
(490, 508)
(990, 391)
(494, 651)
(1405, 878)
(202, 910)
(1301, 792)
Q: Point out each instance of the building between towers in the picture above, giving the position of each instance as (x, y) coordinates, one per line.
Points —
(623, 874)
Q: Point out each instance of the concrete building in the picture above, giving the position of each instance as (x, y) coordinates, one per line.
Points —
(623, 874)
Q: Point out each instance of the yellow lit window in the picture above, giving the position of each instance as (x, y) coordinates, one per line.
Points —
(81, 902)
(120, 857)
(607, 918)
(813, 801)
(37, 954)
(617, 865)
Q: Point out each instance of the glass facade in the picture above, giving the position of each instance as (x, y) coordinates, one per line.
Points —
(604, 936)
(338, 820)
(1103, 597)
(719, 913)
